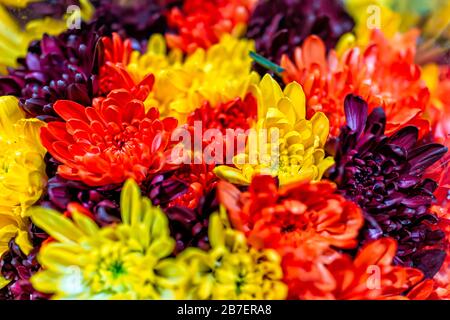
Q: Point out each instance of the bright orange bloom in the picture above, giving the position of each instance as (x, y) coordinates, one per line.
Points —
(311, 274)
(201, 24)
(109, 142)
(115, 57)
(438, 111)
(113, 74)
(287, 217)
(383, 74)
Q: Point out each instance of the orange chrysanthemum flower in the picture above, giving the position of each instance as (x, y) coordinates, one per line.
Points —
(201, 24)
(109, 142)
(116, 55)
(314, 274)
(383, 73)
(438, 111)
(287, 217)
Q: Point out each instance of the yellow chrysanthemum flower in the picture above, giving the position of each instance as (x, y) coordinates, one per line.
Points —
(14, 39)
(123, 261)
(299, 151)
(22, 172)
(369, 15)
(231, 270)
(219, 74)
(393, 16)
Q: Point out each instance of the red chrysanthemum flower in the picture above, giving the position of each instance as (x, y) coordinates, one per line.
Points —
(201, 24)
(314, 274)
(116, 55)
(191, 182)
(109, 142)
(234, 114)
(438, 111)
(285, 218)
(383, 73)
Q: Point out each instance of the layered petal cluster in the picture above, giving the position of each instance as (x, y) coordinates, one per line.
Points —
(102, 202)
(14, 43)
(279, 26)
(288, 217)
(17, 268)
(231, 269)
(56, 67)
(384, 175)
(201, 24)
(383, 73)
(305, 223)
(22, 172)
(218, 75)
(291, 147)
(135, 19)
(332, 276)
(128, 260)
(109, 142)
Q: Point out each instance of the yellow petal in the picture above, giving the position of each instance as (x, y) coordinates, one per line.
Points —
(231, 174)
(320, 127)
(55, 224)
(85, 224)
(294, 92)
(130, 207)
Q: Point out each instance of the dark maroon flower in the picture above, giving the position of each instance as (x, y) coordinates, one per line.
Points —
(18, 268)
(62, 67)
(137, 19)
(102, 202)
(384, 175)
(189, 227)
(278, 26)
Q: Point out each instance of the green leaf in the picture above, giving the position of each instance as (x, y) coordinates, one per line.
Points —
(259, 59)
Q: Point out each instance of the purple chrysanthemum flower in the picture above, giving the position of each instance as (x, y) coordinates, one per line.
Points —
(103, 202)
(62, 67)
(189, 227)
(279, 26)
(133, 19)
(18, 268)
(384, 176)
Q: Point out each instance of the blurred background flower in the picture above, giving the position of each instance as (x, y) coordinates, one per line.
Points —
(200, 24)
(279, 26)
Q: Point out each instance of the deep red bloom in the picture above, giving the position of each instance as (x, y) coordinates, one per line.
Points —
(201, 24)
(186, 186)
(234, 114)
(287, 217)
(109, 142)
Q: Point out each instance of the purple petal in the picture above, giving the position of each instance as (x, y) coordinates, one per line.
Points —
(429, 261)
(422, 157)
(355, 113)
(376, 122)
(405, 138)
